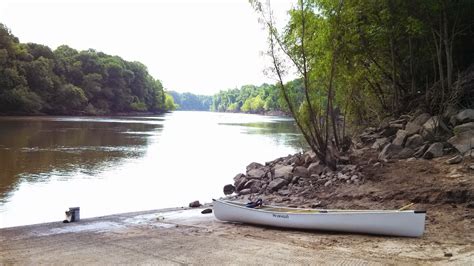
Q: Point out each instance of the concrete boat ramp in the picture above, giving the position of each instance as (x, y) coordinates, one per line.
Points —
(185, 236)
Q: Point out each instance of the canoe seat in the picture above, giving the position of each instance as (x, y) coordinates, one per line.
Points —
(254, 204)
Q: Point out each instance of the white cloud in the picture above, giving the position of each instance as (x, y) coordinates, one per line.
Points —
(197, 46)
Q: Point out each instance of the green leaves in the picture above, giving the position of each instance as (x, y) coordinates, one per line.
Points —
(169, 102)
(249, 99)
(33, 79)
(20, 99)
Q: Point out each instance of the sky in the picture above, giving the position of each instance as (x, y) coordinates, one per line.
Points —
(200, 46)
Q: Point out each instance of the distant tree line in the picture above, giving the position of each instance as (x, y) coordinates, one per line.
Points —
(191, 102)
(35, 79)
(253, 99)
(265, 98)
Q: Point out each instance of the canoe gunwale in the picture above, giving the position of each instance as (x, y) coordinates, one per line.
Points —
(297, 211)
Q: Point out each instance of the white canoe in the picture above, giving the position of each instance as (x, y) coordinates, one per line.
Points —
(381, 222)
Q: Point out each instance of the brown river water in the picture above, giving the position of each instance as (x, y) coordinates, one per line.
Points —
(107, 165)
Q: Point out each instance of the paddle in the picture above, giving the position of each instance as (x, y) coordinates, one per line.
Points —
(406, 206)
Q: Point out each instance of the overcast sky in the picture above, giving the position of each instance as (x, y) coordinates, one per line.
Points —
(199, 46)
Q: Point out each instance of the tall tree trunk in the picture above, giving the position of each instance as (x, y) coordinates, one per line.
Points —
(448, 50)
(313, 115)
(412, 74)
(394, 87)
(439, 58)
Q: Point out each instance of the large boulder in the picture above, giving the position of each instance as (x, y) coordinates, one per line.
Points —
(239, 184)
(316, 168)
(295, 160)
(405, 153)
(434, 126)
(238, 177)
(254, 165)
(254, 184)
(400, 138)
(389, 151)
(388, 132)
(245, 191)
(276, 184)
(435, 150)
(463, 127)
(250, 183)
(309, 157)
(229, 189)
(369, 137)
(256, 173)
(283, 171)
(421, 150)
(421, 119)
(412, 128)
(397, 126)
(301, 171)
(414, 141)
(466, 115)
(463, 141)
(380, 143)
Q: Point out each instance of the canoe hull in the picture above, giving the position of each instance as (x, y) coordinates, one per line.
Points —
(395, 223)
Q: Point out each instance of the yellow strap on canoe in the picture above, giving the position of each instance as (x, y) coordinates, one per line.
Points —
(406, 206)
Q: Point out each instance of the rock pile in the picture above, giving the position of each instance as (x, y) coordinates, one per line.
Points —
(423, 136)
(293, 175)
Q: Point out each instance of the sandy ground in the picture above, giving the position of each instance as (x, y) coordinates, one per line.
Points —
(189, 237)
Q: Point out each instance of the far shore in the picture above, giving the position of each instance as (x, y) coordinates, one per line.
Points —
(270, 113)
(79, 114)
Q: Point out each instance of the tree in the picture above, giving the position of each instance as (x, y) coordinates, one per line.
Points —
(35, 79)
(299, 48)
(249, 98)
(190, 101)
(169, 102)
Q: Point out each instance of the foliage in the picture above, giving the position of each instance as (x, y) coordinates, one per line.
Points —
(252, 99)
(35, 79)
(169, 102)
(369, 59)
(191, 102)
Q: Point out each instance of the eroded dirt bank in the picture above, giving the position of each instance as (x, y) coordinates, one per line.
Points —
(189, 237)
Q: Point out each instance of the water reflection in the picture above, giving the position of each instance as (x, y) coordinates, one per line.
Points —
(33, 148)
(280, 130)
(121, 164)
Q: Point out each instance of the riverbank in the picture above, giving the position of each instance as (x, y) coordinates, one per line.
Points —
(82, 114)
(265, 113)
(185, 236)
(399, 163)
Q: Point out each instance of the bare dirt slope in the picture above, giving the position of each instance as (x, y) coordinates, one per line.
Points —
(445, 191)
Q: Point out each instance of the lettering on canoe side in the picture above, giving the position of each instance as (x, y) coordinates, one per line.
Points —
(284, 216)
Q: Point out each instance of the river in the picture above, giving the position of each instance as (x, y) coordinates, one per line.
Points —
(107, 165)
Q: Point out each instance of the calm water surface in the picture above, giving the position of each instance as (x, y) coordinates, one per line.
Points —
(122, 164)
